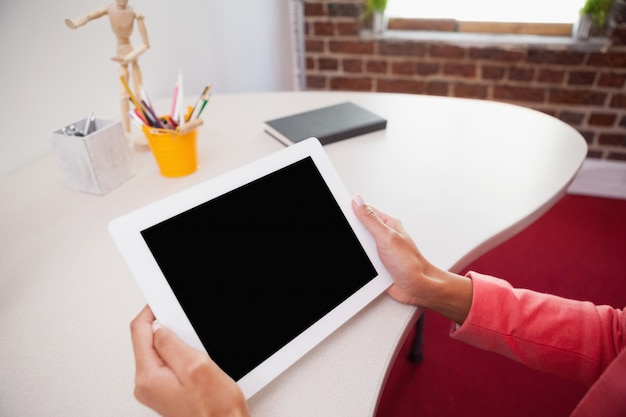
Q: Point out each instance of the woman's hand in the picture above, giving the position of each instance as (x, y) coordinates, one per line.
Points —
(416, 280)
(176, 380)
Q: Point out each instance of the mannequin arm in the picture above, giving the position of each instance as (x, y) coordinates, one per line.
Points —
(80, 21)
(132, 55)
(141, 25)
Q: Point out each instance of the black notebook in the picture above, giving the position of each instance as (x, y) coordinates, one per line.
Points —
(327, 124)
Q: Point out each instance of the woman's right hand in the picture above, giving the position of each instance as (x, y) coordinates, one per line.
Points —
(416, 280)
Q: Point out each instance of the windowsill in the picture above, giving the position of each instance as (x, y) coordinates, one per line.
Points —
(550, 42)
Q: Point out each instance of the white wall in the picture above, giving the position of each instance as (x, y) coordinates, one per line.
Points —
(51, 76)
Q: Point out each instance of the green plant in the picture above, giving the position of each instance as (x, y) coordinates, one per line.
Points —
(597, 10)
(372, 6)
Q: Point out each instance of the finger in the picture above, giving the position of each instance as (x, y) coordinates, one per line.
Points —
(142, 339)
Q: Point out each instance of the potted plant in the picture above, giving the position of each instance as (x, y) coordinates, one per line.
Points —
(376, 10)
(593, 18)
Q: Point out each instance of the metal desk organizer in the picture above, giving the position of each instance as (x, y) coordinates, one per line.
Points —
(93, 155)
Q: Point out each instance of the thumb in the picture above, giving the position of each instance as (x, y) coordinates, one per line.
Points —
(174, 352)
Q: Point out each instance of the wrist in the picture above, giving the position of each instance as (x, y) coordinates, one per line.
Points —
(448, 294)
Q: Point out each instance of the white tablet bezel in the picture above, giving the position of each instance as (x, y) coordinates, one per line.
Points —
(126, 233)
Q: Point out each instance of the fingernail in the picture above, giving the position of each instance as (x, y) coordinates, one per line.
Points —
(358, 199)
(156, 326)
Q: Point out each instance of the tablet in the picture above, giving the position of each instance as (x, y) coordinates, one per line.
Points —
(256, 266)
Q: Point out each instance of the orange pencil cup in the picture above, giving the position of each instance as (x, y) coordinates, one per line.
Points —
(175, 151)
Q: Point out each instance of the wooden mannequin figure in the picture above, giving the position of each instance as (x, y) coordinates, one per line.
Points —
(122, 18)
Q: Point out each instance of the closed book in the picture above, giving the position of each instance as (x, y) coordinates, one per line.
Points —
(328, 124)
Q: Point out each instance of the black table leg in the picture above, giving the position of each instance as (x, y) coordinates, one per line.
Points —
(416, 353)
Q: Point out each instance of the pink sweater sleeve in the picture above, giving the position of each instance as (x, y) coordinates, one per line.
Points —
(574, 339)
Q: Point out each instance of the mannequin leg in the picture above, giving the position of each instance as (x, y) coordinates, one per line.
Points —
(125, 106)
(139, 140)
(137, 80)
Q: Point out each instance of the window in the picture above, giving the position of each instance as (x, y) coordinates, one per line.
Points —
(537, 17)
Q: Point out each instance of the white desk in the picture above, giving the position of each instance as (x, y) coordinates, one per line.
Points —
(463, 175)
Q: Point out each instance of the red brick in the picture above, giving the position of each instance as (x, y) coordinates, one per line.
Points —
(328, 64)
(352, 65)
(462, 70)
(310, 63)
(547, 75)
(611, 79)
(497, 54)
(447, 51)
(470, 91)
(427, 68)
(351, 47)
(401, 86)
(612, 139)
(521, 74)
(407, 48)
(314, 9)
(492, 72)
(618, 101)
(323, 28)
(602, 119)
(608, 59)
(348, 28)
(518, 93)
(581, 77)
(437, 88)
(403, 68)
(379, 67)
(351, 84)
(314, 45)
(541, 56)
(344, 10)
(578, 97)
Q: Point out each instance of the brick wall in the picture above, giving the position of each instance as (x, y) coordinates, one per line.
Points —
(585, 89)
